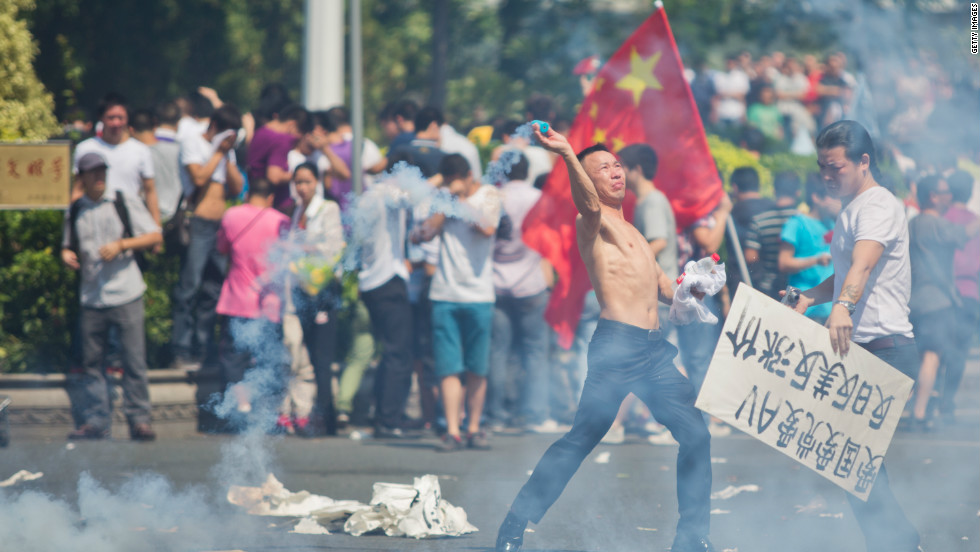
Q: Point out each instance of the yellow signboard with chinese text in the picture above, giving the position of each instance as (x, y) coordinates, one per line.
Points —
(35, 176)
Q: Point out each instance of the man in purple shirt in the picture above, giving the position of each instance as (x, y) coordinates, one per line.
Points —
(269, 151)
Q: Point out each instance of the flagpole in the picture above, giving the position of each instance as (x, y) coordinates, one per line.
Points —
(743, 267)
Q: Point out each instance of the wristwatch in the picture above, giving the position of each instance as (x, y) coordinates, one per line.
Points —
(847, 305)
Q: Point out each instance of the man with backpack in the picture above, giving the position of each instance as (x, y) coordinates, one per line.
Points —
(102, 235)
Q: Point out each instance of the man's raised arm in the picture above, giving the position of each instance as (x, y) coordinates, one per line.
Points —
(583, 190)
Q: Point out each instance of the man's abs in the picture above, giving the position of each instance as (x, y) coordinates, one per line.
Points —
(625, 277)
(212, 203)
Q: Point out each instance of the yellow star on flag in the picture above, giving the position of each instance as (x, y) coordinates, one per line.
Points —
(598, 84)
(618, 144)
(594, 111)
(640, 76)
(599, 136)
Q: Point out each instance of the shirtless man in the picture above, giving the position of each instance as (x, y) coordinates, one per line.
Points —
(627, 354)
(209, 175)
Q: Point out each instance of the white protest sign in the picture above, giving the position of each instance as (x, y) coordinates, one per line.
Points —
(775, 376)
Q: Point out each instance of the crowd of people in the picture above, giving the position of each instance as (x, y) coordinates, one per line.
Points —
(778, 102)
(449, 299)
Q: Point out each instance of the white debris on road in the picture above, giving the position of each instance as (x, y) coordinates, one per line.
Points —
(732, 490)
(273, 499)
(417, 511)
(22, 475)
(309, 526)
(602, 457)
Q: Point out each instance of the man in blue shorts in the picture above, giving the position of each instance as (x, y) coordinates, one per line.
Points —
(462, 296)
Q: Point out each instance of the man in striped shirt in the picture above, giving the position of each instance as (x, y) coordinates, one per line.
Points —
(765, 231)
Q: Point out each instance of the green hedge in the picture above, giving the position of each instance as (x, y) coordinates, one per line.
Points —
(729, 157)
(39, 301)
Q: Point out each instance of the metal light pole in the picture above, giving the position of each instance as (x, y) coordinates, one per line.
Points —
(323, 54)
(356, 100)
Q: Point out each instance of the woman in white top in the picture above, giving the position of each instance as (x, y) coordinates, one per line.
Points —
(318, 236)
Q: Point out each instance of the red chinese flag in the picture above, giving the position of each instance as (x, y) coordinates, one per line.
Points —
(639, 96)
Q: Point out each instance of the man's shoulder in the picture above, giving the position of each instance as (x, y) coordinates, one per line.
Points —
(93, 144)
(167, 149)
(657, 199)
(132, 146)
(90, 144)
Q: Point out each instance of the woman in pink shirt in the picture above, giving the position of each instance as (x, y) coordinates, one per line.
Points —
(251, 333)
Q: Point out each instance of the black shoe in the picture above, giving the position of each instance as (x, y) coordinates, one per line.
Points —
(690, 543)
(450, 443)
(382, 432)
(86, 431)
(510, 537)
(142, 432)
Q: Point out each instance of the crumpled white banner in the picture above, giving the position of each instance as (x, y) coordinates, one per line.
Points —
(417, 511)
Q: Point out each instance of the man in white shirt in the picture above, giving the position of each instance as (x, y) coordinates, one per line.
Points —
(451, 141)
(196, 111)
(379, 233)
(462, 296)
(130, 161)
(732, 86)
(870, 290)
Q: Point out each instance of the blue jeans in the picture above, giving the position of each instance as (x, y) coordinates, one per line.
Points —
(624, 359)
(519, 319)
(202, 272)
(882, 520)
(95, 406)
(583, 334)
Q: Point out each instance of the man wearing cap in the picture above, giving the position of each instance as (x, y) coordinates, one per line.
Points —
(100, 242)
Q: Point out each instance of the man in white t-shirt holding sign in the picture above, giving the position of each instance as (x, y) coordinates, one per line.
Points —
(870, 290)
(130, 161)
(462, 295)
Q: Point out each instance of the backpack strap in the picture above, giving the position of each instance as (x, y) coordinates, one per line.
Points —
(123, 212)
(73, 225)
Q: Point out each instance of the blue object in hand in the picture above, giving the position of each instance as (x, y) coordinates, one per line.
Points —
(542, 126)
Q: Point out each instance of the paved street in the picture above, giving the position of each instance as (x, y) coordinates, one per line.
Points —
(626, 504)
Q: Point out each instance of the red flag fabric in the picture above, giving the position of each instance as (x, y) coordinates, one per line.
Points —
(640, 96)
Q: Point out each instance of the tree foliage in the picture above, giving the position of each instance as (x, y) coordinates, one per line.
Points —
(25, 106)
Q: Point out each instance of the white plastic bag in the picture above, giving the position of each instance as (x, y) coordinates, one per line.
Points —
(708, 278)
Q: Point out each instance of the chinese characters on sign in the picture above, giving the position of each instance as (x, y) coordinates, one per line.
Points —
(775, 377)
(35, 175)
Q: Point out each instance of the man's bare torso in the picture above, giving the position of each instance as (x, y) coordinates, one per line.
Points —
(623, 271)
(212, 203)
